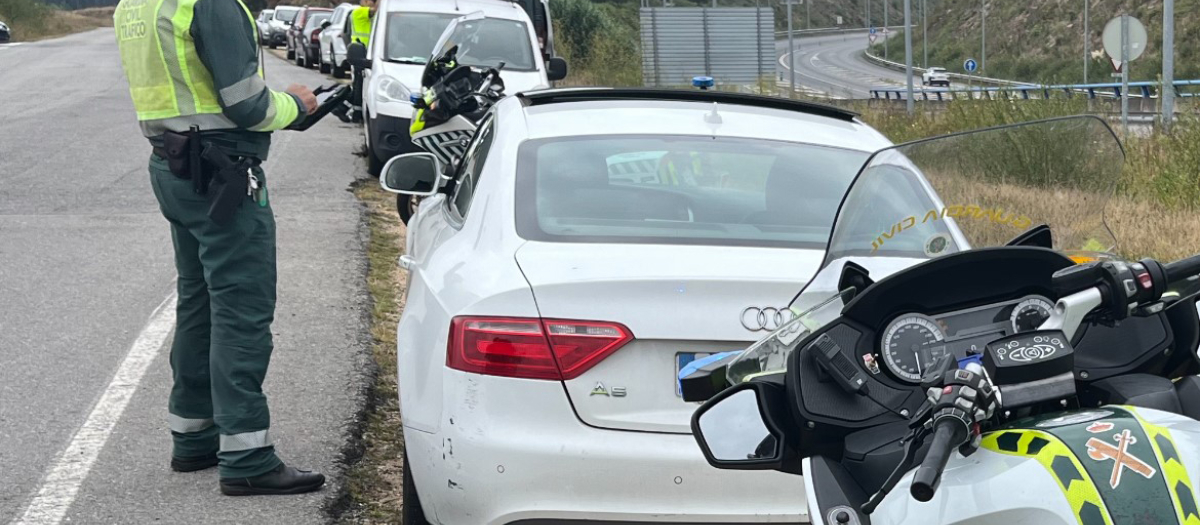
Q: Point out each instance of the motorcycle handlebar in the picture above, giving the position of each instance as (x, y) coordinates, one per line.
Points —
(948, 434)
(1182, 269)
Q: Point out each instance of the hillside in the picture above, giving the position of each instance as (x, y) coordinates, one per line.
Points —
(1042, 40)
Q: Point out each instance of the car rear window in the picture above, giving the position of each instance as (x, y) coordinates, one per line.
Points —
(681, 190)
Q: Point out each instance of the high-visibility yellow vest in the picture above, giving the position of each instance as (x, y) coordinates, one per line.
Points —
(360, 25)
(168, 82)
(669, 174)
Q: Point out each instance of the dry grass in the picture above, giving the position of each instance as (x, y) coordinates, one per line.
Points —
(1143, 228)
(31, 20)
(375, 481)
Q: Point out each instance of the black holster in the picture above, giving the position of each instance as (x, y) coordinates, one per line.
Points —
(224, 178)
(229, 182)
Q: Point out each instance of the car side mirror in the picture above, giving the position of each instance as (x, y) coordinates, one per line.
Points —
(556, 69)
(356, 55)
(412, 174)
(326, 24)
(739, 429)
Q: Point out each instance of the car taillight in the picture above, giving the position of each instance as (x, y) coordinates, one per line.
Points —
(315, 37)
(553, 349)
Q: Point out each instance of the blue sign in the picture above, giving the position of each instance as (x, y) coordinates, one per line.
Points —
(872, 30)
(970, 65)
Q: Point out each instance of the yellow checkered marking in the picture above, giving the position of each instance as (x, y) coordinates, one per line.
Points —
(1174, 472)
(1079, 491)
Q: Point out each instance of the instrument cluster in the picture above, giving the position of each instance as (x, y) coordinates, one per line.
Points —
(913, 342)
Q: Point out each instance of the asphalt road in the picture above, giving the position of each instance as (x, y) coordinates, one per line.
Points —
(85, 260)
(832, 65)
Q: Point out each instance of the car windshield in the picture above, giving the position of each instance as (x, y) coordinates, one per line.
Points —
(970, 191)
(681, 190)
(286, 15)
(489, 42)
(316, 19)
(411, 36)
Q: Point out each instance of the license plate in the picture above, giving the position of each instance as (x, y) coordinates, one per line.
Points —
(681, 360)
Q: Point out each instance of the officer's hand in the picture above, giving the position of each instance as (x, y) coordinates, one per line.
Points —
(306, 97)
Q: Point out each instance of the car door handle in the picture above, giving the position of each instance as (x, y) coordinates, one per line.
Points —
(407, 262)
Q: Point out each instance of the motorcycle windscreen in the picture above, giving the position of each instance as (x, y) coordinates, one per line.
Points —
(931, 198)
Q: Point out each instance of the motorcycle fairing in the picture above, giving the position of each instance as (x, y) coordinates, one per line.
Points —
(1108, 464)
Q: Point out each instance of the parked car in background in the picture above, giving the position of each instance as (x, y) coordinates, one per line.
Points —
(936, 76)
(5, 32)
(264, 26)
(302, 35)
(333, 47)
(281, 20)
(568, 269)
(405, 34)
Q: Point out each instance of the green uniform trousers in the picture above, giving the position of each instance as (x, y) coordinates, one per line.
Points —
(222, 342)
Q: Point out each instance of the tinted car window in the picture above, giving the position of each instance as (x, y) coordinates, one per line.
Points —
(472, 166)
(286, 15)
(316, 20)
(681, 190)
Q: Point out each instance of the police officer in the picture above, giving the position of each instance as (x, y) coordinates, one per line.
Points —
(358, 29)
(194, 65)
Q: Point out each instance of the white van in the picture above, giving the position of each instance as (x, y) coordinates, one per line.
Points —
(402, 39)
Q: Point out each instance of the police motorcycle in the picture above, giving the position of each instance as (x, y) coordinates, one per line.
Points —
(454, 98)
(973, 339)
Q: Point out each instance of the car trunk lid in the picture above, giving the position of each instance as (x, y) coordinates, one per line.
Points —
(679, 302)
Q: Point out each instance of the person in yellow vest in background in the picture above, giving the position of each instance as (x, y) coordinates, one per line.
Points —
(203, 102)
(359, 30)
(679, 168)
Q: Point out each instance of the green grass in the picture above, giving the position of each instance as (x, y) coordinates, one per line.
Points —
(374, 481)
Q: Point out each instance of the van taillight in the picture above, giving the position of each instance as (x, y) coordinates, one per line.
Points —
(554, 349)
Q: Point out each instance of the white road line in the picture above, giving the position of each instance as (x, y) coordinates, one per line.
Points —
(59, 488)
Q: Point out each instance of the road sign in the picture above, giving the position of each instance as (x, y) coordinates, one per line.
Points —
(884, 31)
(839, 20)
(872, 30)
(872, 37)
(1112, 39)
(970, 65)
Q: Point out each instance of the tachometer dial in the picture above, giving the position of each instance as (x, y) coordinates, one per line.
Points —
(1029, 314)
(911, 345)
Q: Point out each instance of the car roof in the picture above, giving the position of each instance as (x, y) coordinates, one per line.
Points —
(287, 7)
(505, 9)
(581, 112)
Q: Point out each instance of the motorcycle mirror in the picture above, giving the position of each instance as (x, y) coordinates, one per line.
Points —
(556, 69)
(356, 55)
(739, 430)
(412, 174)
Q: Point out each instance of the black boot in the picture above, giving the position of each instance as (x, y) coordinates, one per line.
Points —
(282, 480)
(193, 464)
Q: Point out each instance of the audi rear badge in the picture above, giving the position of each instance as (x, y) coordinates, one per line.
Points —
(769, 319)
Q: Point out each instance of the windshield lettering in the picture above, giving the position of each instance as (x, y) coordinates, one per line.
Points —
(957, 211)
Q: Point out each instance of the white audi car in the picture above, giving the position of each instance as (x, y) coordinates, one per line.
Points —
(591, 243)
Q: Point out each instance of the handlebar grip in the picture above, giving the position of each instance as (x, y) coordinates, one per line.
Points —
(1182, 269)
(948, 434)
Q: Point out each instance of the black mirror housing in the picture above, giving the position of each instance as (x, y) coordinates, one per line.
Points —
(326, 24)
(556, 69)
(739, 447)
(356, 55)
(412, 174)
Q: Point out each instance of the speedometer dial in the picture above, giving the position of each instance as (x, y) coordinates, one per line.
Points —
(911, 345)
(1029, 314)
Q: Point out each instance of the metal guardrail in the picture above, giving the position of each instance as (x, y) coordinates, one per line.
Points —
(781, 35)
(1145, 90)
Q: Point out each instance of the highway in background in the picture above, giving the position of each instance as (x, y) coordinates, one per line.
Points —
(833, 65)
